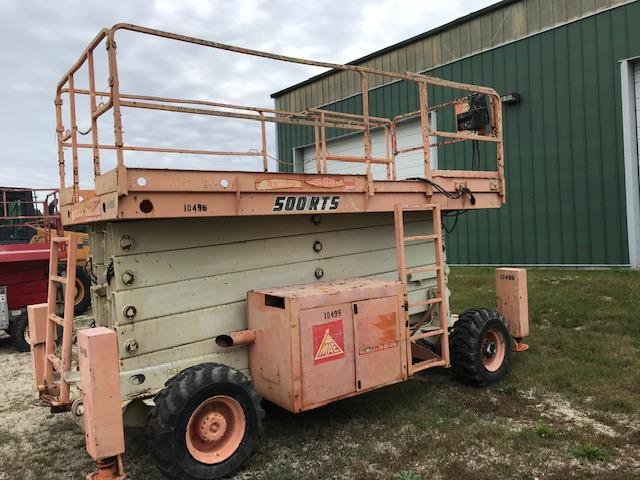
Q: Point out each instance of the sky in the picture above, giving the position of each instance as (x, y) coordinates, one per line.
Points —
(42, 39)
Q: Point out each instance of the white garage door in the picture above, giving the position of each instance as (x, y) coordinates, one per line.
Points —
(407, 165)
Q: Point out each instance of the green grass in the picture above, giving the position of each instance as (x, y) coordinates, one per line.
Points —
(585, 332)
(590, 453)
(568, 409)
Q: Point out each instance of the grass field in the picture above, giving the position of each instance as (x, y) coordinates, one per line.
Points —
(569, 408)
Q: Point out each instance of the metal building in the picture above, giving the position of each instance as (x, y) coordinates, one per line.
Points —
(570, 73)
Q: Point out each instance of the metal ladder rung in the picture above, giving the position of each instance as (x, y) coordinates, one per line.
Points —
(422, 303)
(433, 333)
(431, 268)
(420, 237)
(55, 361)
(56, 319)
(58, 279)
(432, 362)
(416, 208)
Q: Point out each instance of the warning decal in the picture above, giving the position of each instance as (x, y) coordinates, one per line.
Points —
(328, 342)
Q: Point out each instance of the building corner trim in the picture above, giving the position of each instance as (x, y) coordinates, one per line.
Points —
(632, 184)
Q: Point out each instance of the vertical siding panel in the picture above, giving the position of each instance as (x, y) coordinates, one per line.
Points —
(477, 218)
(476, 34)
(573, 9)
(465, 39)
(497, 27)
(486, 31)
(502, 250)
(509, 25)
(546, 13)
(420, 58)
(559, 9)
(578, 143)
(620, 50)
(587, 6)
(513, 160)
(525, 154)
(593, 143)
(563, 122)
(538, 159)
(606, 95)
(549, 141)
(533, 15)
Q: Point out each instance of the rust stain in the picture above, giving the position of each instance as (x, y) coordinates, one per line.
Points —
(277, 184)
(325, 182)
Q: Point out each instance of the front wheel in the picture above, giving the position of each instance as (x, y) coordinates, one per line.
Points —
(480, 347)
(205, 424)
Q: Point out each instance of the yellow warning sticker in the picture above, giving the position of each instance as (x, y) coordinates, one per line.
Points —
(328, 341)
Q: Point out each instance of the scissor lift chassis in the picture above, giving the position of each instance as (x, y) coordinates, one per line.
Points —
(175, 253)
(187, 279)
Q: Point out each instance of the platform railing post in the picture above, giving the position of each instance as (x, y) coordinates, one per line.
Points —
(364, 87)
(94, 120)
(59, 135)
(424, 120)
(114, 83)
(74, 137)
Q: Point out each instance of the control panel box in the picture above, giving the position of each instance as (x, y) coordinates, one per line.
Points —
(321, 342)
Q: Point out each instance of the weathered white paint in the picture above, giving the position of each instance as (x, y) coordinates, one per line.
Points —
(191, 277)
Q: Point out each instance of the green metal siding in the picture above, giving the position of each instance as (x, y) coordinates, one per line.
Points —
(563, 144)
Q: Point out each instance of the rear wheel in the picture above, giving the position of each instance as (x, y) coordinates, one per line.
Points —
(480, 347)
(82, 290)
(82, 297)
(19, 332)
(205, 424)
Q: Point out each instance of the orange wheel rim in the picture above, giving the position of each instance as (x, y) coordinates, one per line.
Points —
(493, 350)
(79, 293)
(215, 429)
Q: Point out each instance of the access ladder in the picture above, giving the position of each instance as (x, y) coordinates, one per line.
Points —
(55, 391)
(426, 358)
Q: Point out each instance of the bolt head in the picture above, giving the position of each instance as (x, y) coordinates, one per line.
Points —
(131, 345)
(125, 242)
(128, 277)
(129, 311)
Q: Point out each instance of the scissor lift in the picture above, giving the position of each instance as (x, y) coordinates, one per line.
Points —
(177, 251)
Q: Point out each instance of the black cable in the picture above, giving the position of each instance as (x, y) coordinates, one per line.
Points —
(462, 191)
(475, 157)
(456, 214)
(110, 272)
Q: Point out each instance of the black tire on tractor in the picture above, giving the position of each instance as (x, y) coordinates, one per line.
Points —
(82, 300)
(480, 346)
(19, 332)
(205, 424)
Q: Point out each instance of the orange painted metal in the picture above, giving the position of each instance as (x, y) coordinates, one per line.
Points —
(37, 315)
(215, 429)
(323, 342)
(512, 300)
(173, 193)
(490, 192)
(100, 379)
(426, 359)
(55, 390)
(493, 350)
(236, 339)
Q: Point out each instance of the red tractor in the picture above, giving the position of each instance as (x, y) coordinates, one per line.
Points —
(28, 217)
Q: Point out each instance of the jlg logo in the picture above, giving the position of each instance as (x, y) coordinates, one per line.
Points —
(312, 204)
